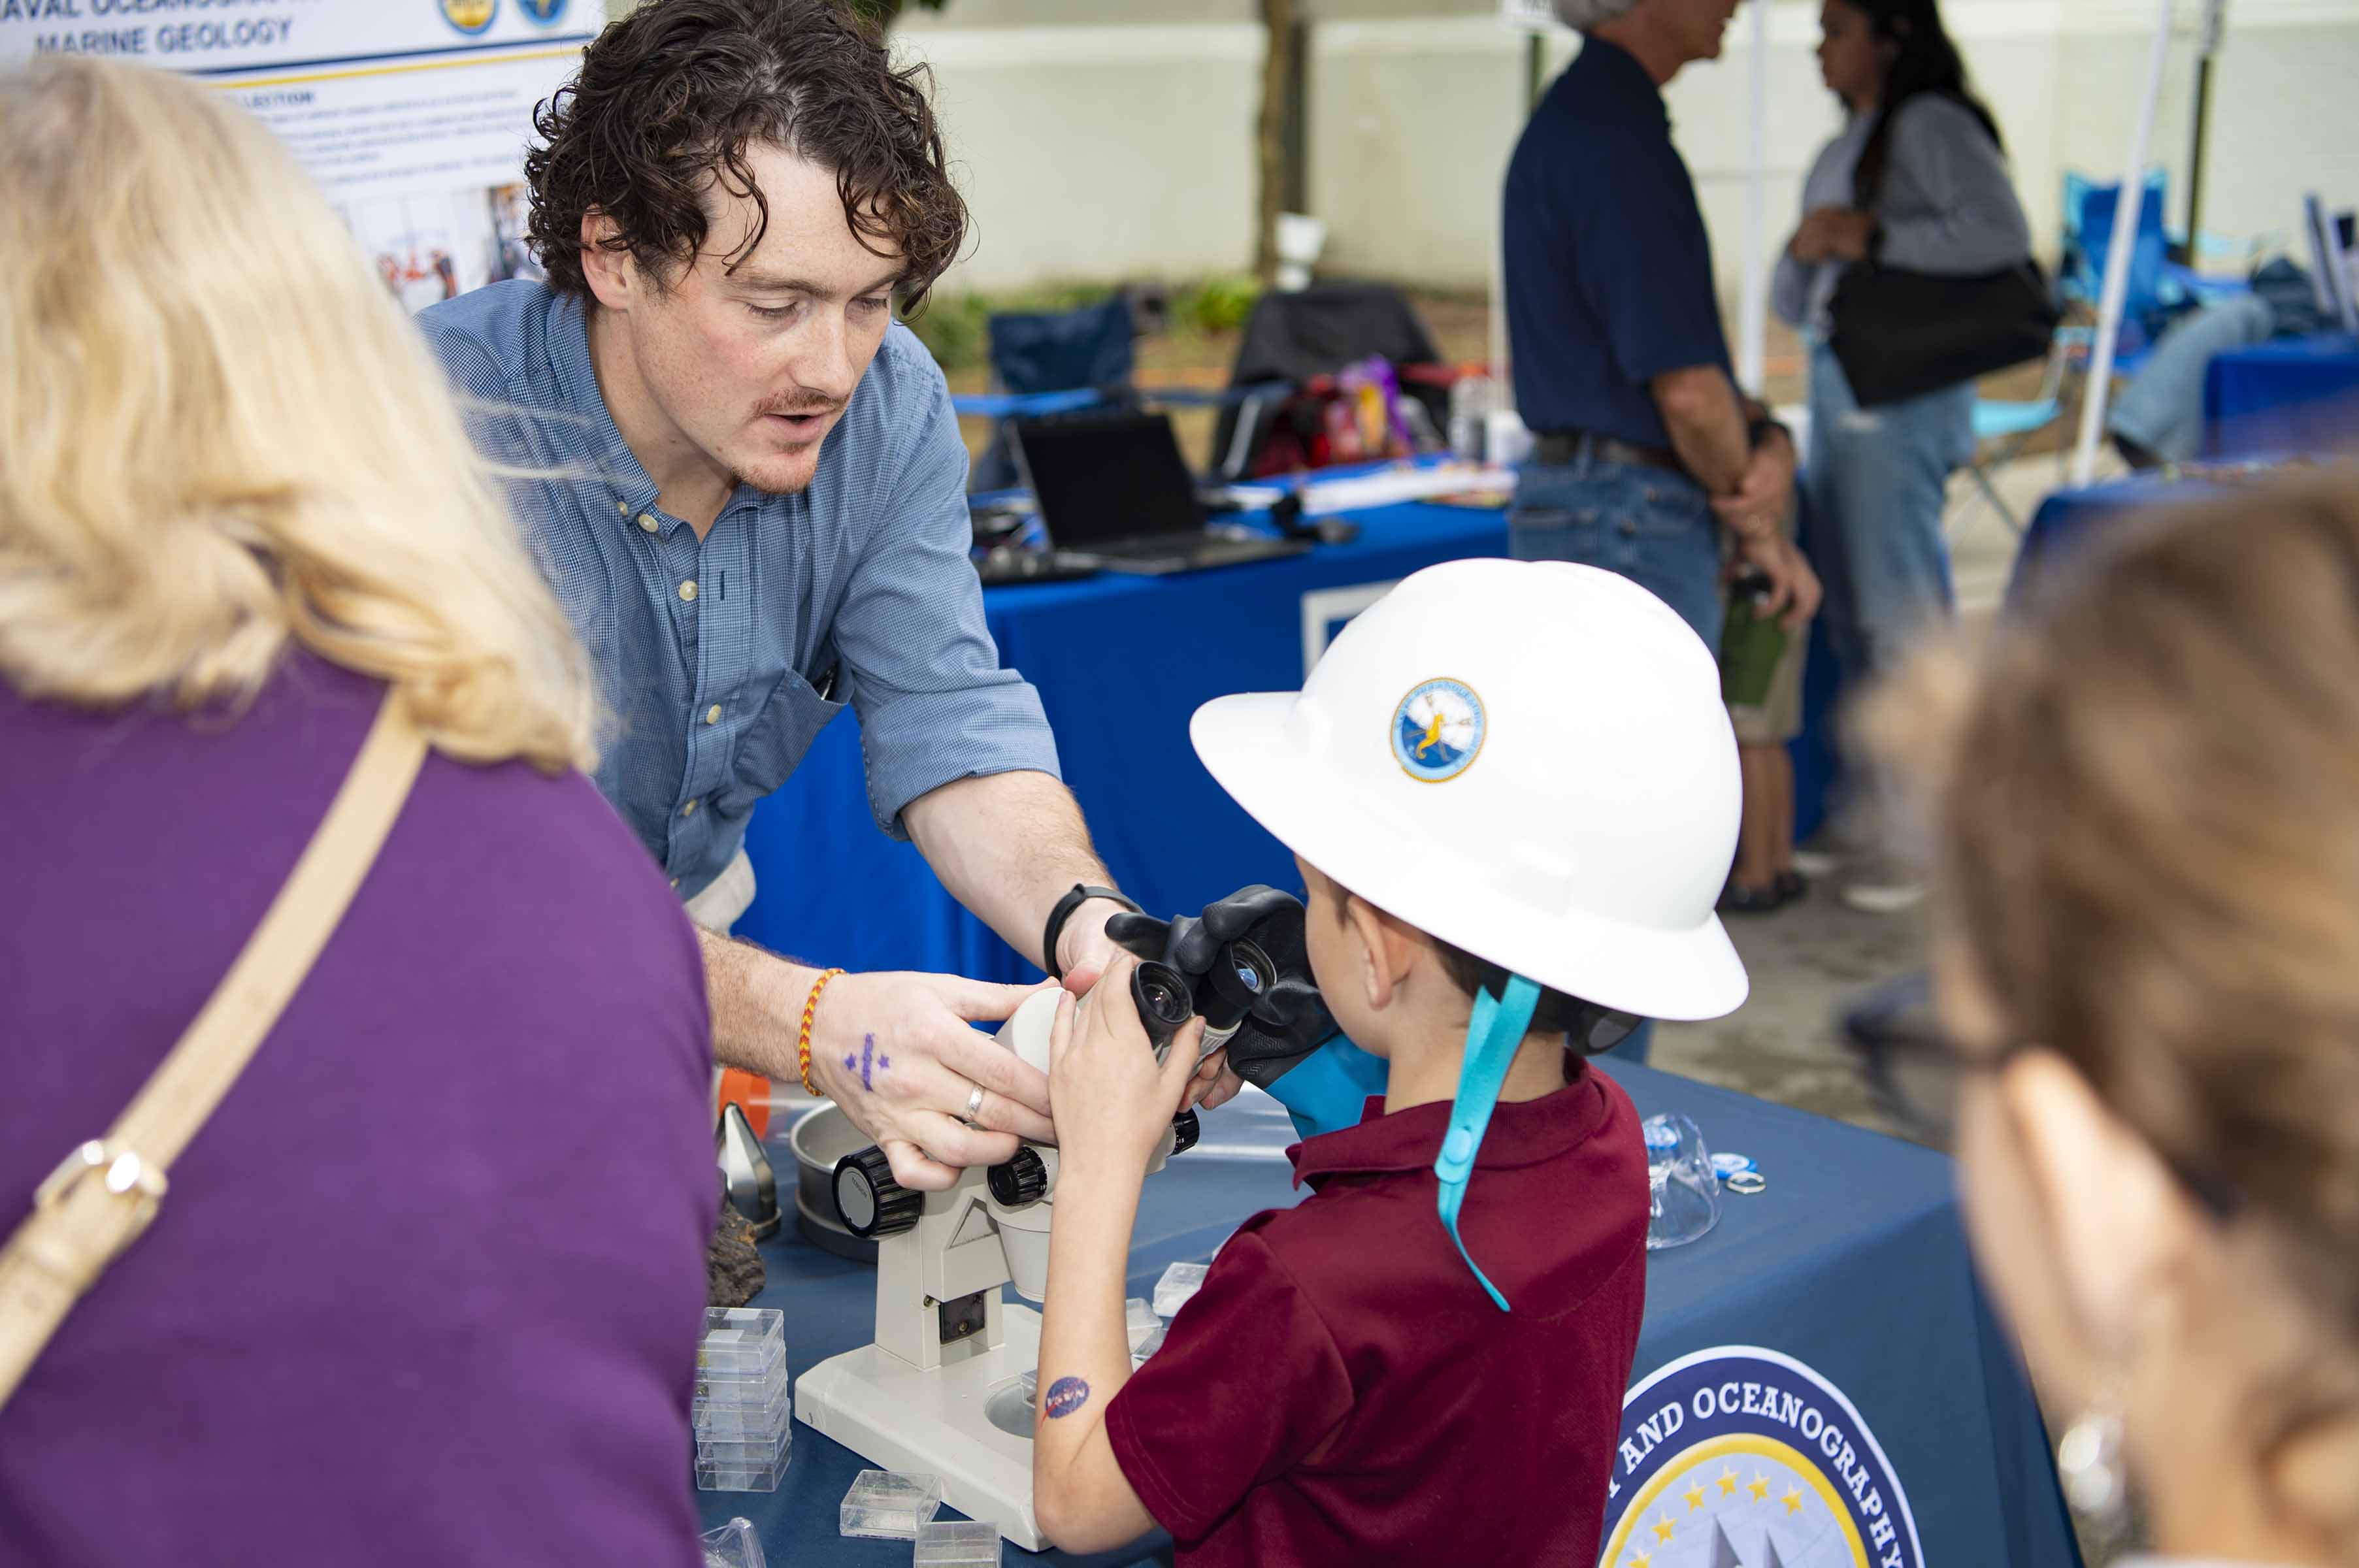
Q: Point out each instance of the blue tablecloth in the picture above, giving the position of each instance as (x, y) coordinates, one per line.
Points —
(1852, 1262)
(1121, 663)
(2070, 519)
(2296, 394)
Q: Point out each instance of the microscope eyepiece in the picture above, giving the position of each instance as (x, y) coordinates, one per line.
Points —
(1241, 975)
(1165, 1002)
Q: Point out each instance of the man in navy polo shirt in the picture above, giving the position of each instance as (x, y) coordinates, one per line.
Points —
(1646, 449)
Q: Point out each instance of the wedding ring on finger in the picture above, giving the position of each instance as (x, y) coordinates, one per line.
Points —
(974, 1105)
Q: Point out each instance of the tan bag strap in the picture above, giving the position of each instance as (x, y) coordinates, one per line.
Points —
(103, 1195)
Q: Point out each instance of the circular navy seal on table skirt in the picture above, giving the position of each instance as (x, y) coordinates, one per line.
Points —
(1740, 1457)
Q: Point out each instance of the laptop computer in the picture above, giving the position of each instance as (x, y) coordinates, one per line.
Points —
(1114, 486)
(2329, 265)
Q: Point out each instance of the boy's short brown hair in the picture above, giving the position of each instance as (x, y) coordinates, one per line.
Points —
(1558, 1013)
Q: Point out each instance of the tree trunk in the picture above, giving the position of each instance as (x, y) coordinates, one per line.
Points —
(1270, 142)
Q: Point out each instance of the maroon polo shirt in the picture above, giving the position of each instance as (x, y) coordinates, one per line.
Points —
(1342, 1391)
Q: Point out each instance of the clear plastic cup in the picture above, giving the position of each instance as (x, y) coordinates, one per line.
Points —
(1683, 1190)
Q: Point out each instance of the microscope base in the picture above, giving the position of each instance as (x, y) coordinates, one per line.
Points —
(886, 1410)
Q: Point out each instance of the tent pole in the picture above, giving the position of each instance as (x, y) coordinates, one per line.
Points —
(2117, 256)
(2214, 19)
(1752, 310)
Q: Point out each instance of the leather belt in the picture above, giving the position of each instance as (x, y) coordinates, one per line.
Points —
(1558, 447)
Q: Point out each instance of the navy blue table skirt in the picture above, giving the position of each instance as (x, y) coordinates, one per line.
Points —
(1852, 1262)
(2297, 395)
(2070, 519)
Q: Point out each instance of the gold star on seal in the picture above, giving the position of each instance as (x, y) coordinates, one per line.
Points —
(1694, 1495)
(1663, 1529)
(1639, 1559)
(1727, 1482)
(1793, 1501)
(1758, 1486)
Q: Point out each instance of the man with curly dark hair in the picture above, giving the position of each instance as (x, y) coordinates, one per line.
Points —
(748, 483)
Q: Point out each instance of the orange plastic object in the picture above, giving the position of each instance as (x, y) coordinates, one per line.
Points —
(751, 1093)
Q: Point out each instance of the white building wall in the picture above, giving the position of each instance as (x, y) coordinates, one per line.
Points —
(1099, 152)
(1107, 139)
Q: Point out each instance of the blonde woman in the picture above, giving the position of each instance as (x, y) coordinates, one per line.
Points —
(2148, 975)
(426, 1288)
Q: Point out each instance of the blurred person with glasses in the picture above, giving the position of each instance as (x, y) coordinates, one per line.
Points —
(2141, 1032)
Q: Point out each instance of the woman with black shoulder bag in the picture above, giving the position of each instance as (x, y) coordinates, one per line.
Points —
(1909, 275)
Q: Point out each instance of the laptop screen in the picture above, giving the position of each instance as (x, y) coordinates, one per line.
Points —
(1103, 477)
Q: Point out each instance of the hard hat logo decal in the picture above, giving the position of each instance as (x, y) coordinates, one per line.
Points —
(1437, 730)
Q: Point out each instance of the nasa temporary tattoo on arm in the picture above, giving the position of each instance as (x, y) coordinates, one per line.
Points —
(868, 1064)
(1065, 1396)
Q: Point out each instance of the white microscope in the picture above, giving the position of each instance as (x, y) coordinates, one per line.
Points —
(943, 1389)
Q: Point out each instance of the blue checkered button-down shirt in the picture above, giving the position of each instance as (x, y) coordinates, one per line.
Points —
(715, 653)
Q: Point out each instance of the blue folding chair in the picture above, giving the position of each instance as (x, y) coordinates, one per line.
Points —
(1044, 364)
(2159, 287)
(2002, 427)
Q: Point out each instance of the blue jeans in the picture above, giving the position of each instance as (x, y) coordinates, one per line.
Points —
(1653, 527)
(2162, 407)
(1877, 483)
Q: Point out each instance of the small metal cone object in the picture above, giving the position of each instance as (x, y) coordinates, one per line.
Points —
(753, 1187)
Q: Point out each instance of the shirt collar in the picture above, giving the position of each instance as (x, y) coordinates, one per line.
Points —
(1522, 1132)
(580, 399)
(1618, 71)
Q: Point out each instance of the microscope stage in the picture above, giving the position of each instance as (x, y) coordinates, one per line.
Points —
(936, 1422)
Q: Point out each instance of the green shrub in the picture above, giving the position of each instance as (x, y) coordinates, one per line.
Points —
(956, 331)
(1215, 305)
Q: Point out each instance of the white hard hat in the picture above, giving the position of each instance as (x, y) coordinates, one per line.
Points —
(1528, 759)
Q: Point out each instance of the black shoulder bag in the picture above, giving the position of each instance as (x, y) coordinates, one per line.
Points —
(1899, 335)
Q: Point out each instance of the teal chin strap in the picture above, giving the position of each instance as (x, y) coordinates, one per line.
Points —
(1493, 1034)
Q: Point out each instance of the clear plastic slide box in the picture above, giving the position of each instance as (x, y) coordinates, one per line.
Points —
(1179, 1282)
(958, 1544)
(729, 1419)
(741, 1342)
(716, 1475)
(742, 1388)
(889, 1504)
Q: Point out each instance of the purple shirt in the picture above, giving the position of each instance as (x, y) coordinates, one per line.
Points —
(427, 1287)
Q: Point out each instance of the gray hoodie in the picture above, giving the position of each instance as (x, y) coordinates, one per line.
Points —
(1947, 204)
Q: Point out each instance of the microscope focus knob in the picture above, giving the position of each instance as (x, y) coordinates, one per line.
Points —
(1185, 1130)
(1023, 1180)
(869, 1201)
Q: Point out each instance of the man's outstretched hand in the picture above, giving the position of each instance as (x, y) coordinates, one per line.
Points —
(896, 1052)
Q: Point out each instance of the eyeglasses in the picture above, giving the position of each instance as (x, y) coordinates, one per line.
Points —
(1913, 1069)
(1917, 1071)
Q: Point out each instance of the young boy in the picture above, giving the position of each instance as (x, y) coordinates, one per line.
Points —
(1424, 1362)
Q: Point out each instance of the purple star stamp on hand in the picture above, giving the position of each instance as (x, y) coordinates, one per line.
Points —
(868, 1064)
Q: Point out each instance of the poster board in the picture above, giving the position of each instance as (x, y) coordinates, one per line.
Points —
(412, 114)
